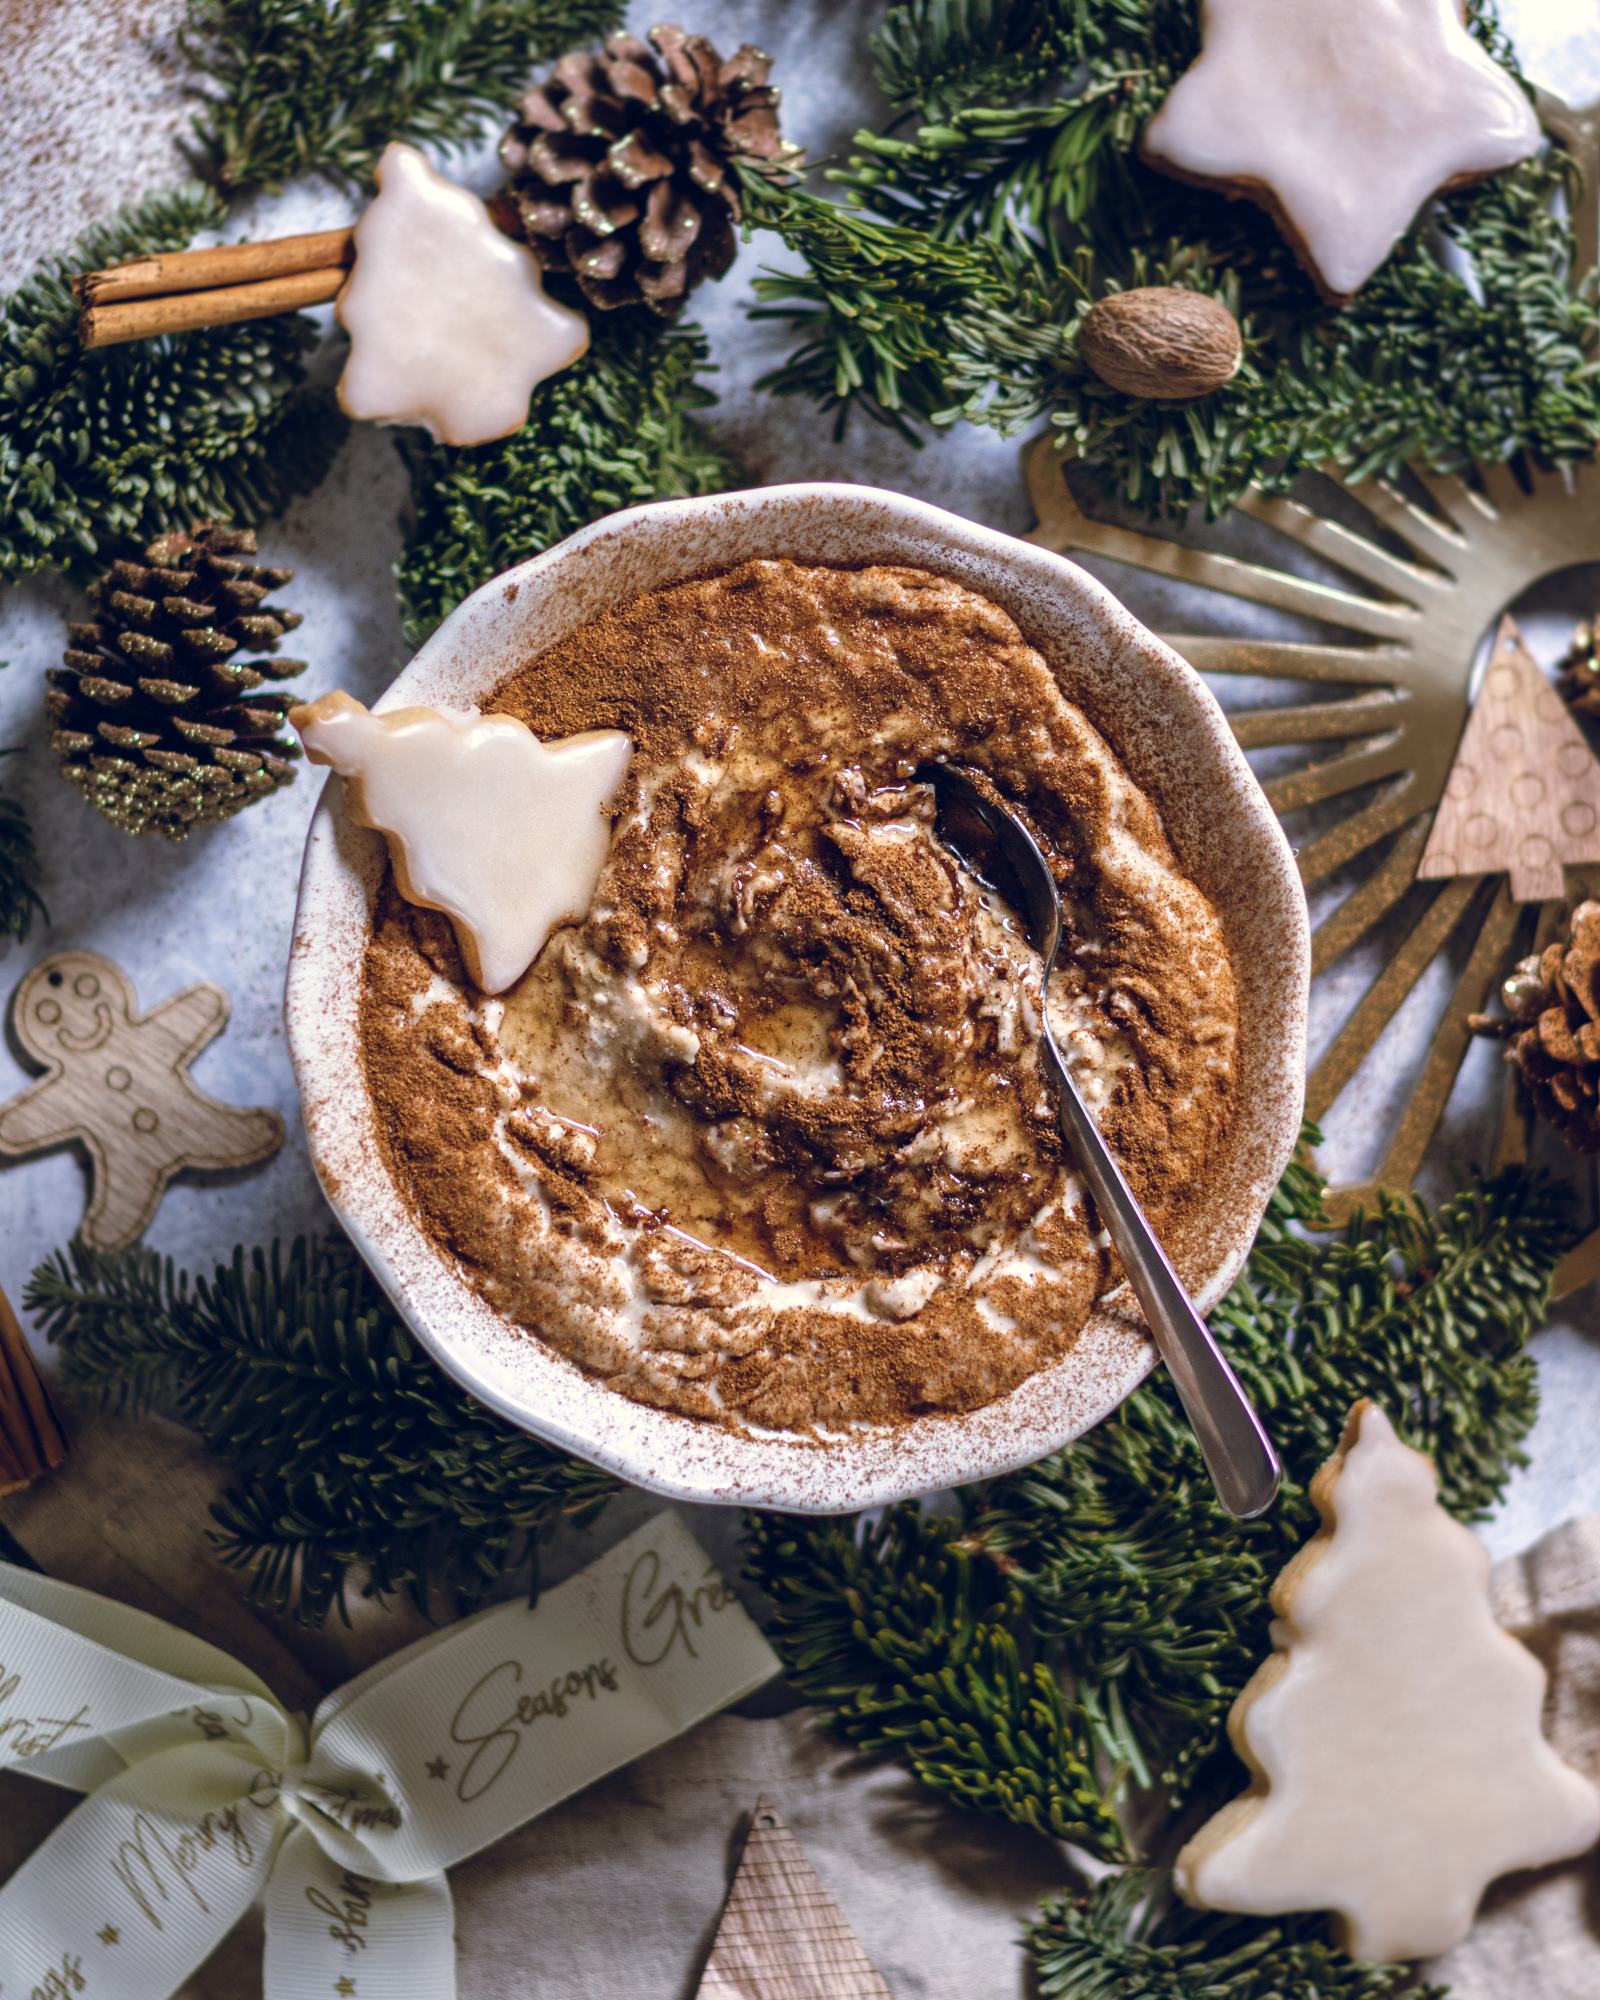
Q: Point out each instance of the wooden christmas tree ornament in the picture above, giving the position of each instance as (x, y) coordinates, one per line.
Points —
(1523, 794)
(117, 1084)
(32, 1441)
(782, 1936)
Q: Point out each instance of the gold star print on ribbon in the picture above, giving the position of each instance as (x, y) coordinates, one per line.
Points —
(1420, 582)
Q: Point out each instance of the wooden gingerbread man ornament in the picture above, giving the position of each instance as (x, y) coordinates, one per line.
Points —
(117, 1083)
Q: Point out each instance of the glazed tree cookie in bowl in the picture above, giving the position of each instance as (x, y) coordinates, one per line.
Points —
(745, 1180)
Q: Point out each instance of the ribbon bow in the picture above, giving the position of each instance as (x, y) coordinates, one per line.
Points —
(205, 1793)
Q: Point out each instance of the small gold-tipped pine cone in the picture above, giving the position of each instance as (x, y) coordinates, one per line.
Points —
(1579, 670)
(1551, 1028)
(156, 721)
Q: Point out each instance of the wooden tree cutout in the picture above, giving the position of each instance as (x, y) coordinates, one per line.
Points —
(782, 1936)
(1523, 794)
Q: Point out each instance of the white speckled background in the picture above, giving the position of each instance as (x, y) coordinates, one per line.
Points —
(93, 98)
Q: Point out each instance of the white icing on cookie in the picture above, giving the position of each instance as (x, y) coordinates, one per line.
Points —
(1395, 1732)
(448, 320)
(1349, 113)
(504, 834)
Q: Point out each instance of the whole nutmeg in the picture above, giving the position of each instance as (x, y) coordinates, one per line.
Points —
(1161, 342)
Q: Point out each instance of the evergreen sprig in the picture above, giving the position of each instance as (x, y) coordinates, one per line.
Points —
(20, 901)
(951, 1680)
(953, 279)
(352, 1449)
(1127, 1936)
(1133, 1582)
(946, 54)
(322, 86)
(107, 448)
(614, 429)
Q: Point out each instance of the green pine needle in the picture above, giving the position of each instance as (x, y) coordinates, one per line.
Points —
(945, 54)
(1133, 1583)
(1128, 1938)
(913, 1645)
(952, 280)
(20, 901)
(615, 429)
(322, 86)
(103, 449)
(351, 1448)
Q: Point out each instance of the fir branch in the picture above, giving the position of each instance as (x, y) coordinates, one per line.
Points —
(953, 281)
(1128, 1936)
(107, 448)
(1133, 1581)
(942, 55)
(949, 1681)
(350, 1447)
(322, 86)
(20, 901)
(614, 429)
(884, 312)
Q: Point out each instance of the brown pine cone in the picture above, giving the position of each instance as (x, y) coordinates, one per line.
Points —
(156, 722)
(620, 164)
(1579, 671)
(1551, 1028)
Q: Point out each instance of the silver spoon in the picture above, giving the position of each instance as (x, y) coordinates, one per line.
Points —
(1238, 1453)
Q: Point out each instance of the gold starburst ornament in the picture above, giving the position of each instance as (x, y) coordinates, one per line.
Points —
(1468, 789)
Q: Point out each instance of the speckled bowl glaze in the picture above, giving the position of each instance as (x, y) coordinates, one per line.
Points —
(1170, 733)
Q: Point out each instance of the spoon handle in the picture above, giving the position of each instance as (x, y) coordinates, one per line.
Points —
(1238, 1453)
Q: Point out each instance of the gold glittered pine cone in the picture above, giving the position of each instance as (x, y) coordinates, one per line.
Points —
(1578, 672)
(157, 722)
(621, 164)
(1551, 1028)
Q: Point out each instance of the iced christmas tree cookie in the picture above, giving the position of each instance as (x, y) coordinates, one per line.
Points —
(504, 834)
(1394, 1736)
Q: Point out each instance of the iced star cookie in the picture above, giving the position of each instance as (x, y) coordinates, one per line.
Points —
(1394, 1736)
(1341, 118)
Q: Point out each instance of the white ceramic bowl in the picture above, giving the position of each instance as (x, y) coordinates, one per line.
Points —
(1168, 730)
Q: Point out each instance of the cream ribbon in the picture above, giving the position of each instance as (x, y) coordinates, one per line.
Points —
(204, 1793)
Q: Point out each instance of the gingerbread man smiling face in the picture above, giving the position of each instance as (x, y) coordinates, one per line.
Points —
(69, 1006)
(117, 1084)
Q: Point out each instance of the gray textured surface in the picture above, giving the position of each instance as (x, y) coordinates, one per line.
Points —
(220, 907)
(92, 114)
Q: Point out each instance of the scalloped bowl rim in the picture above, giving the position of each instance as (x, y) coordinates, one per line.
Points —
(1170, 732)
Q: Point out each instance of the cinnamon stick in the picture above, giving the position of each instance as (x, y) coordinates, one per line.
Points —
(185, 312)
(208, 270)
(31, 1439)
